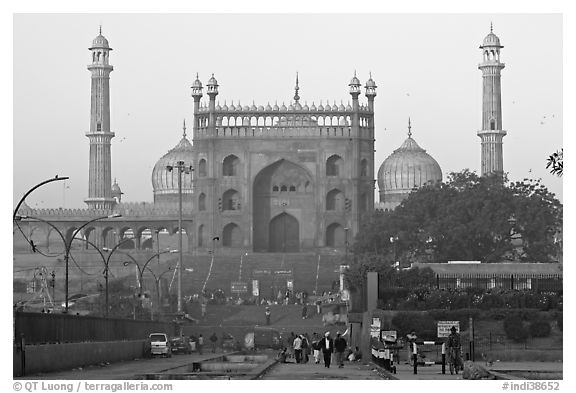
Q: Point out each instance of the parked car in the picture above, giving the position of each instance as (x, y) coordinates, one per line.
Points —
(160, 345)
(181, 345)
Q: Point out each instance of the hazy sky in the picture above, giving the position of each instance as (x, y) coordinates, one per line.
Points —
(425, 66)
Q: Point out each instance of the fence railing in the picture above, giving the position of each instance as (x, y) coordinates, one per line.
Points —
(532, 282)
(40, 328)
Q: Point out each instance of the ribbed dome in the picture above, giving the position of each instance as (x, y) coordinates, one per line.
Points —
(408, 167)
(492, 40)
(100, 42)
(116, 188)
(165, 182)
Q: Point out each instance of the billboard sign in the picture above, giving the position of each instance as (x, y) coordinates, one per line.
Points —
(445, 326)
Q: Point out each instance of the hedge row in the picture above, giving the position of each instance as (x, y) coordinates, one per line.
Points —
(515, 321)
(425, 298)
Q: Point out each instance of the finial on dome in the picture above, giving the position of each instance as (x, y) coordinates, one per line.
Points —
(296, 96)
(490, 26)
(409, 128)
(100, 29)
(184, 128)
(196, 75)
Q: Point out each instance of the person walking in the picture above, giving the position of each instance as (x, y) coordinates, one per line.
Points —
(200, 344)
(339, 348)
(318, 306)
(316, 347)
(203, 307)
(305, 348)
(298, 348)
(304, 311)
(214, 340)
(267, 313)
(327, 347)
(454, 346)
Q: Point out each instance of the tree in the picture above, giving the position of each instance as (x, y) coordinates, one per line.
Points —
(556, 162)
(467, 218)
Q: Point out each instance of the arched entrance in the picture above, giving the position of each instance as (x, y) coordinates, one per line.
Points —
(284, 234)
(284, 208)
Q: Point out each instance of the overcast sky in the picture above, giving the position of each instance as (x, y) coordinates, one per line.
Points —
(425, 66)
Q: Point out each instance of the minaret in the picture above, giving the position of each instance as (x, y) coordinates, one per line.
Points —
(100, 179)
(491, 133)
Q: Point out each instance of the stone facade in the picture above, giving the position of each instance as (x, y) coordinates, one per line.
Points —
(282, 179)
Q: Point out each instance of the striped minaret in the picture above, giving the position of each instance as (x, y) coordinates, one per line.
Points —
(100, 178)
(491, 133)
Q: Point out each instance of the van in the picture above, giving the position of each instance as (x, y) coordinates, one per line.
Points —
(160, 345)
(263, 337)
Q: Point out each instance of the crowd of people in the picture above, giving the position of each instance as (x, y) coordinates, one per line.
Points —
(322, 348)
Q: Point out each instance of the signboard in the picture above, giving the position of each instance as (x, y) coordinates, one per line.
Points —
(261, 272)
(286, 272)
(445, 326)
(239, 287)
(255, 288)
(290, 285)
(389, 335)
(375, 328)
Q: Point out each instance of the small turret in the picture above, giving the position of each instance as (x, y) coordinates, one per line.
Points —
(355, 87)
(197, 89)
(212, 87)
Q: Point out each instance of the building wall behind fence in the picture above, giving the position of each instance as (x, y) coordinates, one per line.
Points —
(40, 328)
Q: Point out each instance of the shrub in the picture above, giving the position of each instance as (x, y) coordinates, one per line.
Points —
(540, 328)
(559, 320)
(514, 328)
(405, 321)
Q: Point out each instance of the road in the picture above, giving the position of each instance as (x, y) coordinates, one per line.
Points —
(310, 370)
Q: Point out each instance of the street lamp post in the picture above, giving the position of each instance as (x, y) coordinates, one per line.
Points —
(157, 279)
(393, 240)
(68, 245)
(141, 269)
(56, 178)
(181, 167)
(346, 244)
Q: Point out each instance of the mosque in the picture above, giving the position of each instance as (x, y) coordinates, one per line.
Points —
(261, 178)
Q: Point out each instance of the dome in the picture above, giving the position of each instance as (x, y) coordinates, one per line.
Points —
(408, 167)
(116, 188)
(165, 182)
(370, 83)
(197, 84)
(355, 81)
(100, 42)
(492, 40)
(212, 81)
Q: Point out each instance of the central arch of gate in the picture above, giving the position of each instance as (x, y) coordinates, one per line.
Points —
(284, 208)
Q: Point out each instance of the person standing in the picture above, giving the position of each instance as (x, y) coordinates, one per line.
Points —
(298, 348)
(304, 311)
(203, 306)
(200, 344)
(411, 338)
(267, 313)
(318, 304)
(214, 340)
(327, 347)
(339, 348)
(305, 348)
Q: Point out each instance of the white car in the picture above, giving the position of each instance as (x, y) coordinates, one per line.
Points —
(160, 345)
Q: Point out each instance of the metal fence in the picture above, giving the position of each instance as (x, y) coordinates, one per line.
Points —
(41, 328)
(532, 282)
